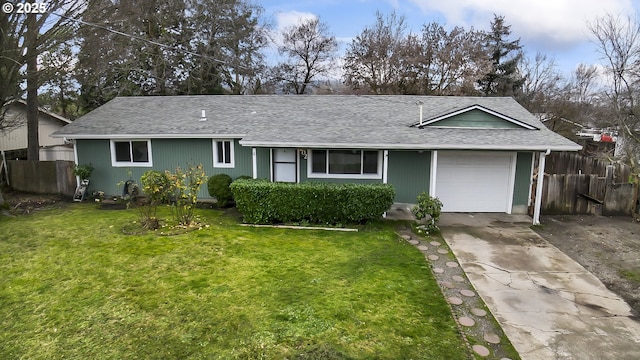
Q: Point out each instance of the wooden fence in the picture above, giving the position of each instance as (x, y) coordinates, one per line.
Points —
(575, 184)
(42, 177)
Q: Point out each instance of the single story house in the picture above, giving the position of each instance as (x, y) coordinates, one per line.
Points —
(13, 141)
(477, 154)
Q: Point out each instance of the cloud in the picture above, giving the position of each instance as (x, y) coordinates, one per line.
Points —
(286, 19)
(555, 22)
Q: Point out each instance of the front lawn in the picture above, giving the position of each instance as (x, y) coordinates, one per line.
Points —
(74, 286)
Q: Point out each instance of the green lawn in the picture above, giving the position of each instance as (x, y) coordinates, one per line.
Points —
(74, 286)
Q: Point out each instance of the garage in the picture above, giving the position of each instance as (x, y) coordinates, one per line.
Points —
(474, 181)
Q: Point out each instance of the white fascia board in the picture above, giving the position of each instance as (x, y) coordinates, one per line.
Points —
(375, 146)
(481, 108)
(150, 136)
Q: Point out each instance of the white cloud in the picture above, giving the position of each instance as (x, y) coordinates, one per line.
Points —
(555, 22)
(285, 20)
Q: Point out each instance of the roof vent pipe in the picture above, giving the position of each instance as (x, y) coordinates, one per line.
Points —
(419, 103)
(203, 116)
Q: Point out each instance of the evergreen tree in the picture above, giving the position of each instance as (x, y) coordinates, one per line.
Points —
(503, 78)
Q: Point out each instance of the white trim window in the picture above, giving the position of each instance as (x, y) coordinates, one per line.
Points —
(223, 153)
(345, 164)
(134, 153)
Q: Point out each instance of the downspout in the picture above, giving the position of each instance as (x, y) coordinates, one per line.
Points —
(539, 184)
(385, 169)
(75, 159)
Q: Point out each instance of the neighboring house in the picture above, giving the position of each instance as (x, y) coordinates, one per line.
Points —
(475, 154)
(13, 141)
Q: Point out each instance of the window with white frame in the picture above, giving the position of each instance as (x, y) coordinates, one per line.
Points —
(131, 153)
(223, 154)
(366, 164)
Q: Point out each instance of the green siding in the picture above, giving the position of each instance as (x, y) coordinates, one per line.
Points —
(523, 179)
(264, 163)
(167, 154)
(476, 119)
(409, 173)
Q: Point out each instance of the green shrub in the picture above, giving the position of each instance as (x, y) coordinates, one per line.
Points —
(184, 187)
(219, 188)
(156, 187)
(83, 171)
(427, 211)
(264, 202)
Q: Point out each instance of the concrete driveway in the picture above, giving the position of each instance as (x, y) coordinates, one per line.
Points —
(548, 305)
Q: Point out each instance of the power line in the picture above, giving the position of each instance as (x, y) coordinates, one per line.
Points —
(139, 38)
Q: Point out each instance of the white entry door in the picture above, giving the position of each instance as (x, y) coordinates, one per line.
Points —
(284, 165)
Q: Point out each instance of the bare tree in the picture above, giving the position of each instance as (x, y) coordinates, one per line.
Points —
(618, 41)
(451, 62)
(373, 61)
(541, 82)
(310, 49)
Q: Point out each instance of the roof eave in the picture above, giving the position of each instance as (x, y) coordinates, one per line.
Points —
(382, 146)
(146, 136)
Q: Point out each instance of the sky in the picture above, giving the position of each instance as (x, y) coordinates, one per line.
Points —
(556, 28)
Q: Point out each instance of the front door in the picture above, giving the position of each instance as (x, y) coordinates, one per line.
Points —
(284, 165)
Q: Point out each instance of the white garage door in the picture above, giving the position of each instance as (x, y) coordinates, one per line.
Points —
(475, 181)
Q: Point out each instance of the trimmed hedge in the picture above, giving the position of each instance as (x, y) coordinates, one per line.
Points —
(264, 202)
(218, 186)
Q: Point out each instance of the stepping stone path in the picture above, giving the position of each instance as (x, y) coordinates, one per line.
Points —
(466, 307)
(454, 300)
(467, 293)
(466, 321)
(492, 338)
(481, 350)
(478, 312)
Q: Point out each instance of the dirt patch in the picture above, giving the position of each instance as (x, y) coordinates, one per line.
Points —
(609, 247)
(23, 203)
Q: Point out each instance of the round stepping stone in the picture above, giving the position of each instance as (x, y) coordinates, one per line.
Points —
(457, 278)
(448, 284)
(433, 257)
(454, 300)
(406, 237)
(492, 338)
(452, 264)
(443, 251)
(478, 312)
(466, 321)
(414, 242)
(423, 248)
(435, 243)
(481, 350)
(438, 270)
(467, 293)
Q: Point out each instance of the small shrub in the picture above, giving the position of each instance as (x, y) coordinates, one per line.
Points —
(183, 188)
(264, 202)
(156, 187)
(83, 171)
(218, 186)
(427, 211)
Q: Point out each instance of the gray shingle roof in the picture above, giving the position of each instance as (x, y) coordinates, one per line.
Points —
(308, 121)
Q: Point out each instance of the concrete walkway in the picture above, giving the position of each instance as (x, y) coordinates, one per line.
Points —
(548, 305)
